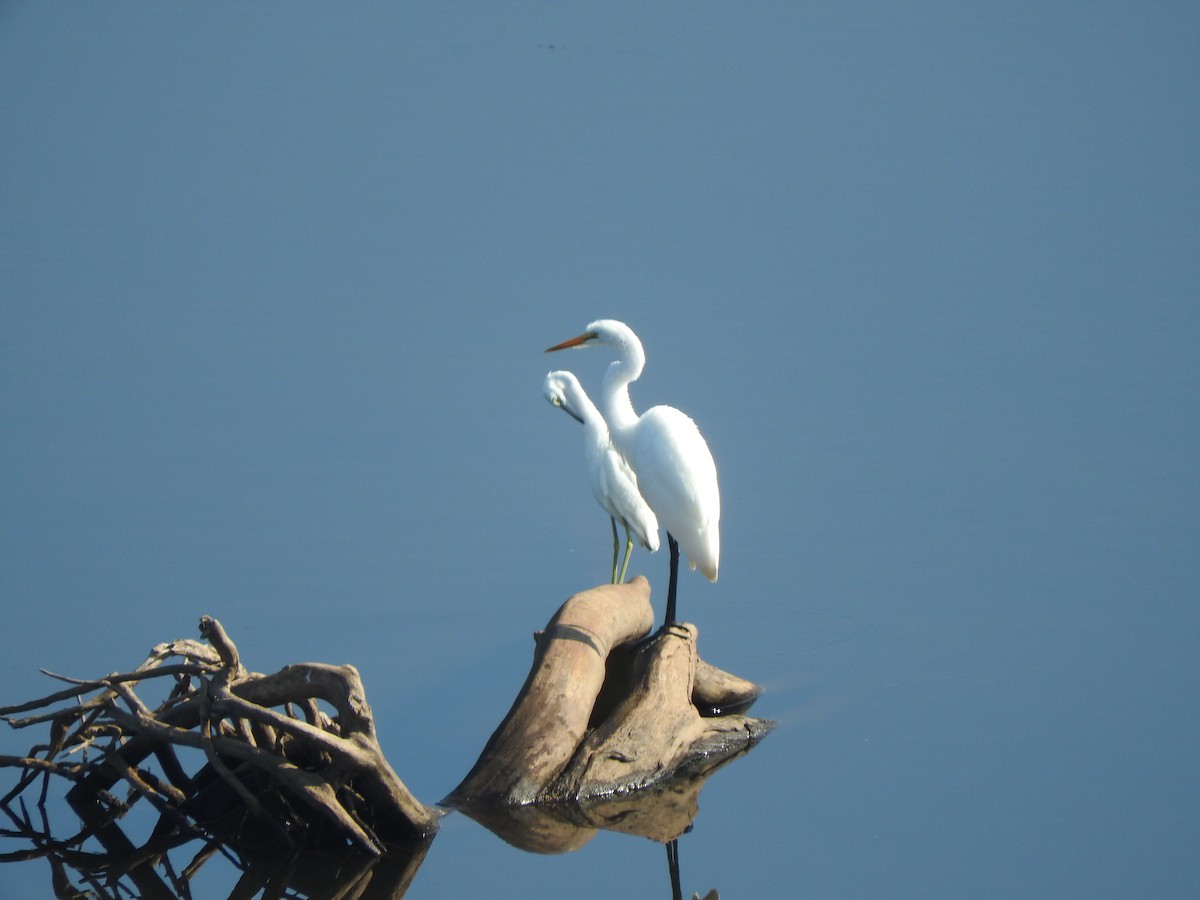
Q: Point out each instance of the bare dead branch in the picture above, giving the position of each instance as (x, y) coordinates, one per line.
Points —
(211, 630)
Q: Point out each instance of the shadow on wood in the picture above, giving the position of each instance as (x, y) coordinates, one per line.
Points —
(608, 730)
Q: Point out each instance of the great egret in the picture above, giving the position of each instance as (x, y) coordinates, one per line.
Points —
(613, 482)
(674, 467)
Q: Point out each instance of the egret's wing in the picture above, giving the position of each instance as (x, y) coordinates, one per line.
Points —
(678, 478)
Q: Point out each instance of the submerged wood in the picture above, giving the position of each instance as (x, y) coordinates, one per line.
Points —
(661, 812)
(600, 716)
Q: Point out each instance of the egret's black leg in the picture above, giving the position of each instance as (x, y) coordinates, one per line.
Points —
(670, 619)
(673, 869)
(616, 545)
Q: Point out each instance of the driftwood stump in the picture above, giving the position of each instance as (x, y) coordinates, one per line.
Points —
(608, 727)
(279, 772)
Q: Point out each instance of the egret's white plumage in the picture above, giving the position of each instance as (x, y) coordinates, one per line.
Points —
(670, 458)
(613, 482)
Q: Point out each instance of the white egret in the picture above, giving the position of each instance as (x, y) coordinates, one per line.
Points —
(674, 467)
(613, 482)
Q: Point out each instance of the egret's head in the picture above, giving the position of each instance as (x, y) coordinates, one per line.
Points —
(602, 331)
(556, 389)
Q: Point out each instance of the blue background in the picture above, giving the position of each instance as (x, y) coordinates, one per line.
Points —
(277, 278)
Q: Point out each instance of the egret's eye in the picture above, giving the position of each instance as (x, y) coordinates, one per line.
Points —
(557, 401)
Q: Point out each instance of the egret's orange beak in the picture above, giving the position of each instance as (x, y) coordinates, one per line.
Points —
(573, 342)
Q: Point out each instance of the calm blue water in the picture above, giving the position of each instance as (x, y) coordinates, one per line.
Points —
(276, 293)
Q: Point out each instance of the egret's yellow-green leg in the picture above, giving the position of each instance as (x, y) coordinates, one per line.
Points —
(628, 550)
(616, 546)
(617, 551)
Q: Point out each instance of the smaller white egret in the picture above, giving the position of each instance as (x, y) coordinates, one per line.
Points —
(613, 482)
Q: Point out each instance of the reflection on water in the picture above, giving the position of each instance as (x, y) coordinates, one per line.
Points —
(661, 813)
(166, 866)
(676, 879)
(167, 870)
(103, 860)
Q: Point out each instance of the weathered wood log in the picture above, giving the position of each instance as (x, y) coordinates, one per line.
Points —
(656, 731)
(601, 716)
(551, 714)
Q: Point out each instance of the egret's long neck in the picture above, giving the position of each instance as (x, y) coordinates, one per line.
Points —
(616, 405)
(583, 406)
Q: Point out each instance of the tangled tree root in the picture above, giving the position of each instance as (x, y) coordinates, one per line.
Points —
(277, 771)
